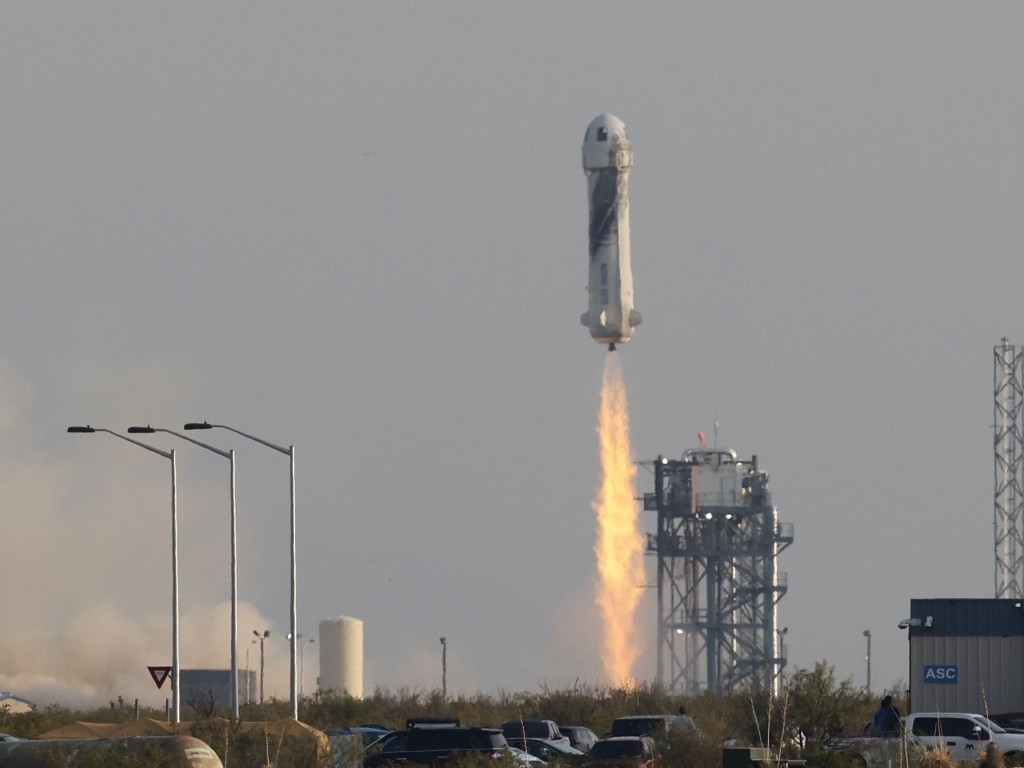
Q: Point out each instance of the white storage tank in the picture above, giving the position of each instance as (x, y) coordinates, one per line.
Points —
(341, 656)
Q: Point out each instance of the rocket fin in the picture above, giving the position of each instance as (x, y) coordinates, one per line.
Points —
(585, 319)
(634, 318)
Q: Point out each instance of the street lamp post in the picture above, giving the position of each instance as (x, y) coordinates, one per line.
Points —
(444, 669)
(264, 636)
(248, 695)
(867, 634)
(175, 665)
(230, 456)
(290, 452)
(302, 665)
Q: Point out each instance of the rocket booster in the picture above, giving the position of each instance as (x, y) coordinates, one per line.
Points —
(607, 160)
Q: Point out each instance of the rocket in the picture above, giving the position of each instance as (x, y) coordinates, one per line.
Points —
(607, 160)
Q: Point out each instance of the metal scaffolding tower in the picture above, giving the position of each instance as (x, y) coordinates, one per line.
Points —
(1009, 463)
(717, 545)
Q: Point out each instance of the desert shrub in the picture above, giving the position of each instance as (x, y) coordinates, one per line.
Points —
(991, 757)
(934, 757)
(255, 747)
(29, 725)
(122, 755)
(220, 735)
(331, 708)
(271, 709)
(822, 707)
(102, 753)
(691, 749)
(571, 706)
(723, 717)
(814, 703)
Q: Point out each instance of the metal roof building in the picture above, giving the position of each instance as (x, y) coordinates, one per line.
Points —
(966, 655)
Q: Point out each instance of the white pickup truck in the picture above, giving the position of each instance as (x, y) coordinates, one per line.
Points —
(964, 735)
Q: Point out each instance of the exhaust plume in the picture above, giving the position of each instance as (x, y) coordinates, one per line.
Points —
(619, 542)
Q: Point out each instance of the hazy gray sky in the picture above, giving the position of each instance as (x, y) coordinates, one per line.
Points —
(361, 228)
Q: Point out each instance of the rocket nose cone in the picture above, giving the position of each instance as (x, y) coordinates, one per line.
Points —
(604, 124)
(605, 136)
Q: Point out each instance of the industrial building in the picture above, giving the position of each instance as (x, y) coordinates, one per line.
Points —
(717, 544)
(213, 686)
(966, 655)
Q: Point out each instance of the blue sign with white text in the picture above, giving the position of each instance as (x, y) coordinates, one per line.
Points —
(940, 673)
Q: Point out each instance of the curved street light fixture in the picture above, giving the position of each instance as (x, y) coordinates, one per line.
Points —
(175, 665)
(230, 456)
(261, 638)
(293, 628)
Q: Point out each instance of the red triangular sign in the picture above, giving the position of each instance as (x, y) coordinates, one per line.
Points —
(159, 674)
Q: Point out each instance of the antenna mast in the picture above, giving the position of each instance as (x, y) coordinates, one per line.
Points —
(1009, 463)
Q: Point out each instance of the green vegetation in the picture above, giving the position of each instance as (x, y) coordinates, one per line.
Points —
(814, 708)
(115, 756)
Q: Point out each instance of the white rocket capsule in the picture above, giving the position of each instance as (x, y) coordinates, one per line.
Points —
(607, 160)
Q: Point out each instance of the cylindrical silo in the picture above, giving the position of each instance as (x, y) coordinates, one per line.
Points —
(341, 656)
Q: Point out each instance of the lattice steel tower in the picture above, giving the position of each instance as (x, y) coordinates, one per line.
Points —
(1009, 501)
(717, 545)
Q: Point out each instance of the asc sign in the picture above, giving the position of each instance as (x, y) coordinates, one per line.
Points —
(940, 673)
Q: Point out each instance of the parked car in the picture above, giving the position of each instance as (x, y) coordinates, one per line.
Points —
(432, 745)
(623, 752)
(367, 734)
(433, 721)
(524, 759)
(641, 725)
(962, 734)
(534, 728)
(580, 737)
(545, 749)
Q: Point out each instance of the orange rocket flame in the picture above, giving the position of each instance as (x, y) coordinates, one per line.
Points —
(619, 542)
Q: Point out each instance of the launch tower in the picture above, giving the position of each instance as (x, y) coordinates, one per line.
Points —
(717, 544)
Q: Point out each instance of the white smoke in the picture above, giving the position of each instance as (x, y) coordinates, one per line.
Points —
(86, 571)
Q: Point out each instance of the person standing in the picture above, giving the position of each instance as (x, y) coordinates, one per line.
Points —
(683, 722)
(886, 721)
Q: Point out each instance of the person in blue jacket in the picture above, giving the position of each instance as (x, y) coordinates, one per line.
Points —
(886, 721)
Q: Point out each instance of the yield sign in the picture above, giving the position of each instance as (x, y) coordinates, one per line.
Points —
(159, 674)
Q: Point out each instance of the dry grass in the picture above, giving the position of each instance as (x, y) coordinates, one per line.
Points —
(992, 757)
(935, 757)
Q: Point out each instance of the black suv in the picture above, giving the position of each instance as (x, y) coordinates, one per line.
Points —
(641, 725)
(432, 746)
(533, 729)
